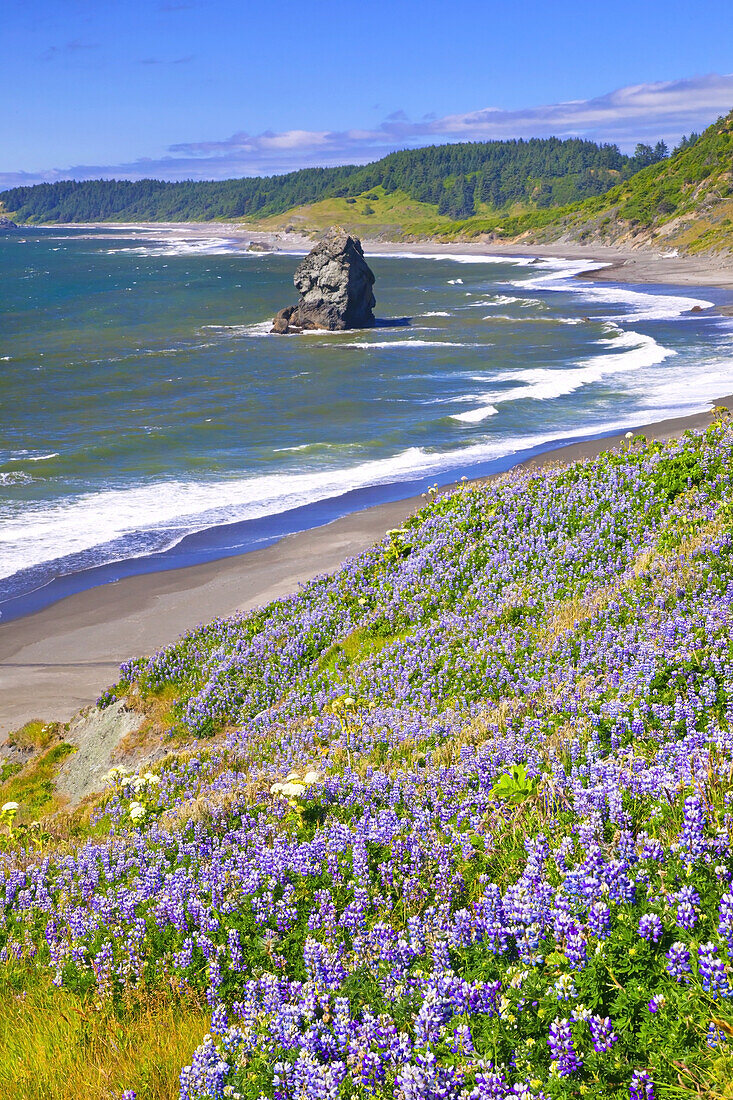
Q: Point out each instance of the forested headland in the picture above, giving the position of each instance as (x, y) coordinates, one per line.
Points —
(459, 180)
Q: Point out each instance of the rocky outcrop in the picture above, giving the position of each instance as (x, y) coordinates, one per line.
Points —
(6, 224)
(335, 284)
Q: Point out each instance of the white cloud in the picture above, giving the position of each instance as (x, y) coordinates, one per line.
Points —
(639, 112)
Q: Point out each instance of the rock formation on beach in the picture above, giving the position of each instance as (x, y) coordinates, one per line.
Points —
(6, 224)
(335, 284)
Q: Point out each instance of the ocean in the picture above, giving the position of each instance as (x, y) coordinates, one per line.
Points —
(150, 421)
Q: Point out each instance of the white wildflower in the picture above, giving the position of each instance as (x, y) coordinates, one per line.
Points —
(292, 790)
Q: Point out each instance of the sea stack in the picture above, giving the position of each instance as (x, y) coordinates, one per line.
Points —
(335, 284)
(6, 224)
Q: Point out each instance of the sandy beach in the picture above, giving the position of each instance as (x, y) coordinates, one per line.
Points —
(59, 659)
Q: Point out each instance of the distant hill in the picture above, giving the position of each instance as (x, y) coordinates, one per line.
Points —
(452, 182)
(684, 202)
(540, 190)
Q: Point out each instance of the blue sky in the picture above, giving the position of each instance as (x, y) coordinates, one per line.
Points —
(216, 88)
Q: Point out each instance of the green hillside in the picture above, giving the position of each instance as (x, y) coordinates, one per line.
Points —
(454, 181)
(684, 202)
(539, 190)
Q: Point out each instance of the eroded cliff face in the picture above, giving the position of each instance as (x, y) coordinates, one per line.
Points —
(335, 284)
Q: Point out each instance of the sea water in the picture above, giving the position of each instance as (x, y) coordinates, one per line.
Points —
(149, 420)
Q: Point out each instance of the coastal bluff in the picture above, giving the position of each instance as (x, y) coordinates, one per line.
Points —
(335, 285)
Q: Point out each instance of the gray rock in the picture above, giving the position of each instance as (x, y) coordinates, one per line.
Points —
(6, 224)
(335, 284)
(96, 734)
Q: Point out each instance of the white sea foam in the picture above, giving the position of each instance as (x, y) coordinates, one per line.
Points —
(510, 299)
(335, 337)
(300, 447)
(435, 313)
(257, 328)
(474, 416)
(42, 532)
(644, 306)
(638, 305)
(316, 446)
(629, 351)
(111, 524)
(45, 531)
(453, 282)
(367, 344)
(469, 258)
(24, 455)
(208, 246)
(15, 477)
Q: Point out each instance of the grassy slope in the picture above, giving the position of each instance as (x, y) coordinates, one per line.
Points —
(665, 547)
(375, 214)
(381, 215)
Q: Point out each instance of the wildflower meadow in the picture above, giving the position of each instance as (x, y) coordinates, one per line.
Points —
(452, 823)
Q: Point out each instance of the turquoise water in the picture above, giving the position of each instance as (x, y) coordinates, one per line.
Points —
(145, 409)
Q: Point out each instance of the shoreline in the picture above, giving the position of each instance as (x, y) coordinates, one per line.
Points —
(623, 264)
(59, 659)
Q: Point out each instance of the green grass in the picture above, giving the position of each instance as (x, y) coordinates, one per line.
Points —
(33, 785)
(35, 734)
(393, 214)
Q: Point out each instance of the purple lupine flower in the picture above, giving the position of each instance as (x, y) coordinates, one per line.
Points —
(491, 1084)
(602, 1034)
(650, 927)
(219, 1020)
(713, 973)
(725, 925)
(642, 1087)
(562, 1049)
(428, 1080)
(715, 1038)
(599, 919)
(678, 962)
(687, 899)
(462, 1041)
(692, 835)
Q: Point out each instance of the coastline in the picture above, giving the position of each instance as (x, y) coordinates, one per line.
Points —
(622, 264)
(59, 659)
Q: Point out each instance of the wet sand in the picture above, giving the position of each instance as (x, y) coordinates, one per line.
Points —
(59, 659)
